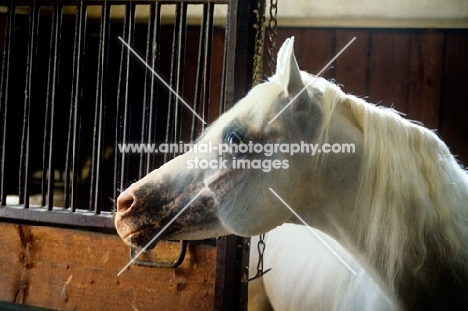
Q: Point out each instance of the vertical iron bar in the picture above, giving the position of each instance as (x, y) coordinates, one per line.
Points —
(238, 60)
(207, 60)
(119, 157)
(99, 115)
(95, 149)
(54, 94)
(45, 140)
(23, 189)
(70, 172)
(4, 84)
(52, 86)
(45, 146)
(147, 104)
(77, 99)
(171, 102)
(176, 78)
(123, 106)
(181, 42)
(154, 94)
(223, 91)
(99, 121)
(200, 70)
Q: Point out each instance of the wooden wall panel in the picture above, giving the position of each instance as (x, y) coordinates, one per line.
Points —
(426, 74)
(351, 66)
(74, 270)
(312, 48)
(388, 69)
(454, 115)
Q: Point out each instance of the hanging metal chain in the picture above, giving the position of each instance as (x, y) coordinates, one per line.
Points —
(271, 64)
(272, 33)
(261, 249)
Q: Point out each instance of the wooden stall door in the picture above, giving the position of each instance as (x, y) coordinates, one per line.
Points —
(65, 269)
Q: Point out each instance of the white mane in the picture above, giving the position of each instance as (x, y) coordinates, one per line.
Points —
(413, 195)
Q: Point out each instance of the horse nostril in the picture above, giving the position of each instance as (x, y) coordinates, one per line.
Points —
(124, 202)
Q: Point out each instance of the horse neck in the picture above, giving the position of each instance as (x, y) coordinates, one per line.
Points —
(411, 215)
(414, 218)
(415, 263)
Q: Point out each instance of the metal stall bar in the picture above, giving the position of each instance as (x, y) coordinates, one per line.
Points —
(154, 94)
(208, 44)
(173, 127)
(150, 91)
(124, 87)
(146, 115)
(202, 85)
(4, 84)
(99, 115)
(181, 23)
(48, 172)
(120, 122)
(76, 98)
(24, 178)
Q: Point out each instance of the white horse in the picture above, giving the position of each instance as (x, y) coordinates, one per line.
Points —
(398, 204)
(306, 275)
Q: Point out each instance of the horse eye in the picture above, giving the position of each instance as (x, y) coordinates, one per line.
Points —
(234, 139)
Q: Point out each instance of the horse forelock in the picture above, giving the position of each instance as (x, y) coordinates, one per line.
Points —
(413, 195)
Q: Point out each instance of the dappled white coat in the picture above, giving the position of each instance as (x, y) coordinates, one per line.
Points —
(305, 275)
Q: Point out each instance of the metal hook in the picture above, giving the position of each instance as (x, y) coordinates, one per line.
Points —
(261, 249)
(161, 264)
(258, 275)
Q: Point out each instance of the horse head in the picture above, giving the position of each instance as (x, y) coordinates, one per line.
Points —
(254, 146)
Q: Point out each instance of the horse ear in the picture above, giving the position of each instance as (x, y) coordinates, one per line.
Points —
(288, 73)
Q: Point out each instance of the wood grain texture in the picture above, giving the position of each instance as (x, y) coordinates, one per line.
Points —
(426, 74)
(388, 69)
(454, 115)
(74, 270)
(351, 65)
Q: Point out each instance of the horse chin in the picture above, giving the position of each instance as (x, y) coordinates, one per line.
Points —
(142, 238)
(198, 233)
